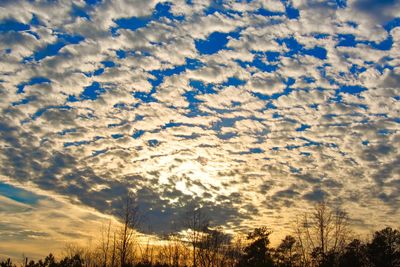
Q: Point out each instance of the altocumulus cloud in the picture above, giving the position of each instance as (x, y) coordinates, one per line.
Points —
(252, 109)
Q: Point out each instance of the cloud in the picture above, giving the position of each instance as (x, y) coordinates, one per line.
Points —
(249, 110)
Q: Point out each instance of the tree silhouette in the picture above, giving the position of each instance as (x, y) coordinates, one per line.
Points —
(105, 244)
(285, 254)
(174, 252)
(355, 255)
(74, 261)
(322, 234)
(321, 240)
(257, 253)
(195, 221)
(212, 248)
(7, 263)
(131, 221)
(69, 261)
(384, 249)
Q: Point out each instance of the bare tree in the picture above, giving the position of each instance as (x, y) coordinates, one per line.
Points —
(234, 251)
(70, 250)
(126, 235)
(321, 232)
(174, 252)
(212, 247)
(105, 243)
(302, 240)
(113, 252)
(195, 222)
(147, 254)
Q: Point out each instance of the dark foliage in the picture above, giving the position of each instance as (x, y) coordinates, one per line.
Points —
(355, 254)
(257, 253)
(7, 263)
(382, 251)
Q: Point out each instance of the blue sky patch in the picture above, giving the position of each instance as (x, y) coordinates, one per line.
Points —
(227, 136)
(341, 3)
(318, 52)
(92, 92)
(384, 45)
(351, 89)
(54, 48)
(132, 23)
(215, 42)
(303, 127)
(32, 81)
(217, 6)
(190, 64)
(138, 134)
(295, 47)
(308, 79)
(233, 81)
(292, 44)
(121, 54)
(268, 13)
(201, 87)
(256, 150)
(349, 40)
(48, 51)
(108, 63)
(145, 97)
(394, 23)
(193, 103)
(356, 70)
(272, 56)
(79, 12)
(117, 136)
(352, 24)
(319, 36)
(13, 25)
(292, 13)
(93, 2)
(153, 142)
(163, 10)
(24, 101)
(18, 194)
(260, 62)
(35, 20)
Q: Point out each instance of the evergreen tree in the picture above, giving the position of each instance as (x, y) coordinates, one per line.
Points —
(257, 253)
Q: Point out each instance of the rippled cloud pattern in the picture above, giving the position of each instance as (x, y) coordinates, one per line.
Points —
(252, 109)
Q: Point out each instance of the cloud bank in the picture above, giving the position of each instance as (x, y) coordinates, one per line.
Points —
(252, 109)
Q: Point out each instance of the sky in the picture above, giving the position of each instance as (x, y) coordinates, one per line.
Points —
(254, 110)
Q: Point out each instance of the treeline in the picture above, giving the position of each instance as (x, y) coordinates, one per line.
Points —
(320, 238)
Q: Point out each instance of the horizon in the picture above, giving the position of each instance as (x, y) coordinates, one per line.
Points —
(255, 111)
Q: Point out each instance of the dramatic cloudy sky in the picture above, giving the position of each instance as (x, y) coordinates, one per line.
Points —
(254, 110)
